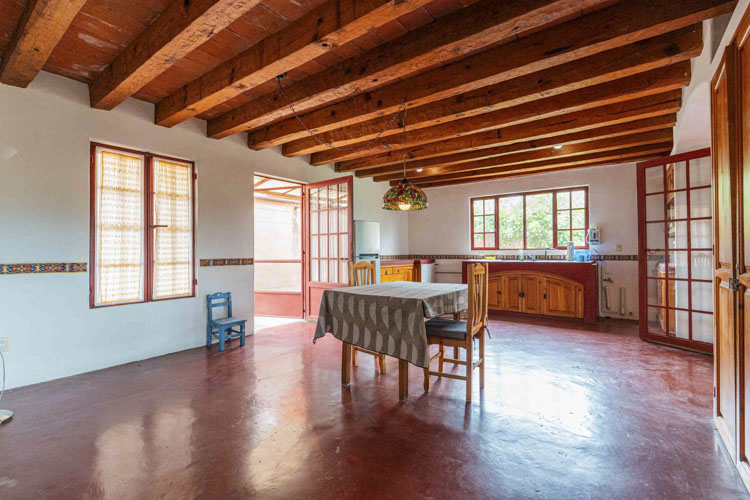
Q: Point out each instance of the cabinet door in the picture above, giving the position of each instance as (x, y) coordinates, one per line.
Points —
(532, 294)
(409, 273)
(511, 292)
(561, 298)
(494, 293)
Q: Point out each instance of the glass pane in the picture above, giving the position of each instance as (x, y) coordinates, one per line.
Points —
(657, 320)
(700, 202)
(655, 207)
(333, 193)
(324, 246)
(314, 264)
(344, 246)
(343, 195)
(562, 238)
(323, 221)
(510, 222)
(478, 207)
(579, 238)
(677, 234)
(678, 265)
(679, 324)
(563, 219)
(313, 246)
(563, 200)
(313, 222)
(344, 272)
(703, 327)
(679, 294)
(703, 297)
(578, 199)
(655, 264)
(700, 172)
(323, 271)
(324, 198)
(702, 265)
(333, 271)
(314, 198)
(479, 240)
(654, 288)
(333, 226)
(677, 205)
(333, 246)
(539, 220)
(489, 223)
(478, 224)
(700, 234)
(655, 235)
(343, 220)
(278, 277)
(579, 219)
(654, 179)
(676, 175)
(489, 207)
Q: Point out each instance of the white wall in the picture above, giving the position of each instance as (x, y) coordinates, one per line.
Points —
(44, 217)
(444, 228)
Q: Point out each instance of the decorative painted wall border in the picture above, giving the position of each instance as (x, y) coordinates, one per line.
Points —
(43, 268)
(241, 261)
(595, 257)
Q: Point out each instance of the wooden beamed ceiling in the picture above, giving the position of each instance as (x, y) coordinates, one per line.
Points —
(494, 88)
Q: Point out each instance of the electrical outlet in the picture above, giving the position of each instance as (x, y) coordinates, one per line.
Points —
(4, 344)
(618, 247)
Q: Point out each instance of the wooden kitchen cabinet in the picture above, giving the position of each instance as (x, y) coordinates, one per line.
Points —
(535, 293)
(389, 274)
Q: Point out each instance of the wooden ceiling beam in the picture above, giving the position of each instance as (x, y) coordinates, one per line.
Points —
(451, 37)
(547, 153)
(181, 28)
(606, 29)
(523, 173)
(610, 157)
(318, 32)
(636, 109)
(633, 87)
(611, 131)
(42, 25)
(646, 55)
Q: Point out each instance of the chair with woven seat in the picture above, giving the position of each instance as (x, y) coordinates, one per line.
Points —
(360, 274)
(461, 334)
(226, 328)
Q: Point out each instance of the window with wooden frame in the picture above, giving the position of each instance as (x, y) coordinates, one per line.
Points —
(142, 227)
(530, 221)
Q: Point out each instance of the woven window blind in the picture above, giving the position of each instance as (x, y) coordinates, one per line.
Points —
(173, 239)
(119, 224)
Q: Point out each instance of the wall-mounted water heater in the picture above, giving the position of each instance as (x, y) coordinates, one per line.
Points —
(593, 236)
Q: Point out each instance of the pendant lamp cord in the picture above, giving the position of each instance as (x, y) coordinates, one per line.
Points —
(329, 144)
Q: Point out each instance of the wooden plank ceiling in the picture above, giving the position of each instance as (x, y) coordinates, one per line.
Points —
(493, 88)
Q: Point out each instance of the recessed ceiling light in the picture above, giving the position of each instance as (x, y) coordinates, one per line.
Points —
(419, 169)
(559, 146)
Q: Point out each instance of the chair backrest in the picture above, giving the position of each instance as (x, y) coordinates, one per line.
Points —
(221, 299)
(478, 278)
(362, 273)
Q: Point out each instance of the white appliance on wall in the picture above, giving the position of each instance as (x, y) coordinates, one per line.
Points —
(367, 243)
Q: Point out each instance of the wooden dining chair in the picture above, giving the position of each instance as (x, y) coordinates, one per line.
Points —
(461, 334)
(363, 273)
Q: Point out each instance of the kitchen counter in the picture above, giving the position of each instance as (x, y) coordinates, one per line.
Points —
(408, 262)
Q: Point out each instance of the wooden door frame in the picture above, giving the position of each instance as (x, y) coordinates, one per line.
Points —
(644, 333)
(306, 233)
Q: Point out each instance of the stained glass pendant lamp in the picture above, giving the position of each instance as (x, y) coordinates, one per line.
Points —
(404, 196)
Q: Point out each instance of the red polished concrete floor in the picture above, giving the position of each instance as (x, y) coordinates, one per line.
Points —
(566, 413)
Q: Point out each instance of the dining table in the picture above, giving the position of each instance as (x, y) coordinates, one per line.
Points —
(387, 318)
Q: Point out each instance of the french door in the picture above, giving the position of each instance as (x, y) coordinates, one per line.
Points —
(329, 219)
(676, 255)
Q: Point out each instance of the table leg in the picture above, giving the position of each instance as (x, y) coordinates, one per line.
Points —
(403, 380)
(346, 363)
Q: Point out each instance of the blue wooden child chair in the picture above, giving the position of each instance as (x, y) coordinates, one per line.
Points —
(223, 328)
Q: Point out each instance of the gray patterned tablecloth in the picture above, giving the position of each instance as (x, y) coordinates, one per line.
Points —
(388, 317)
